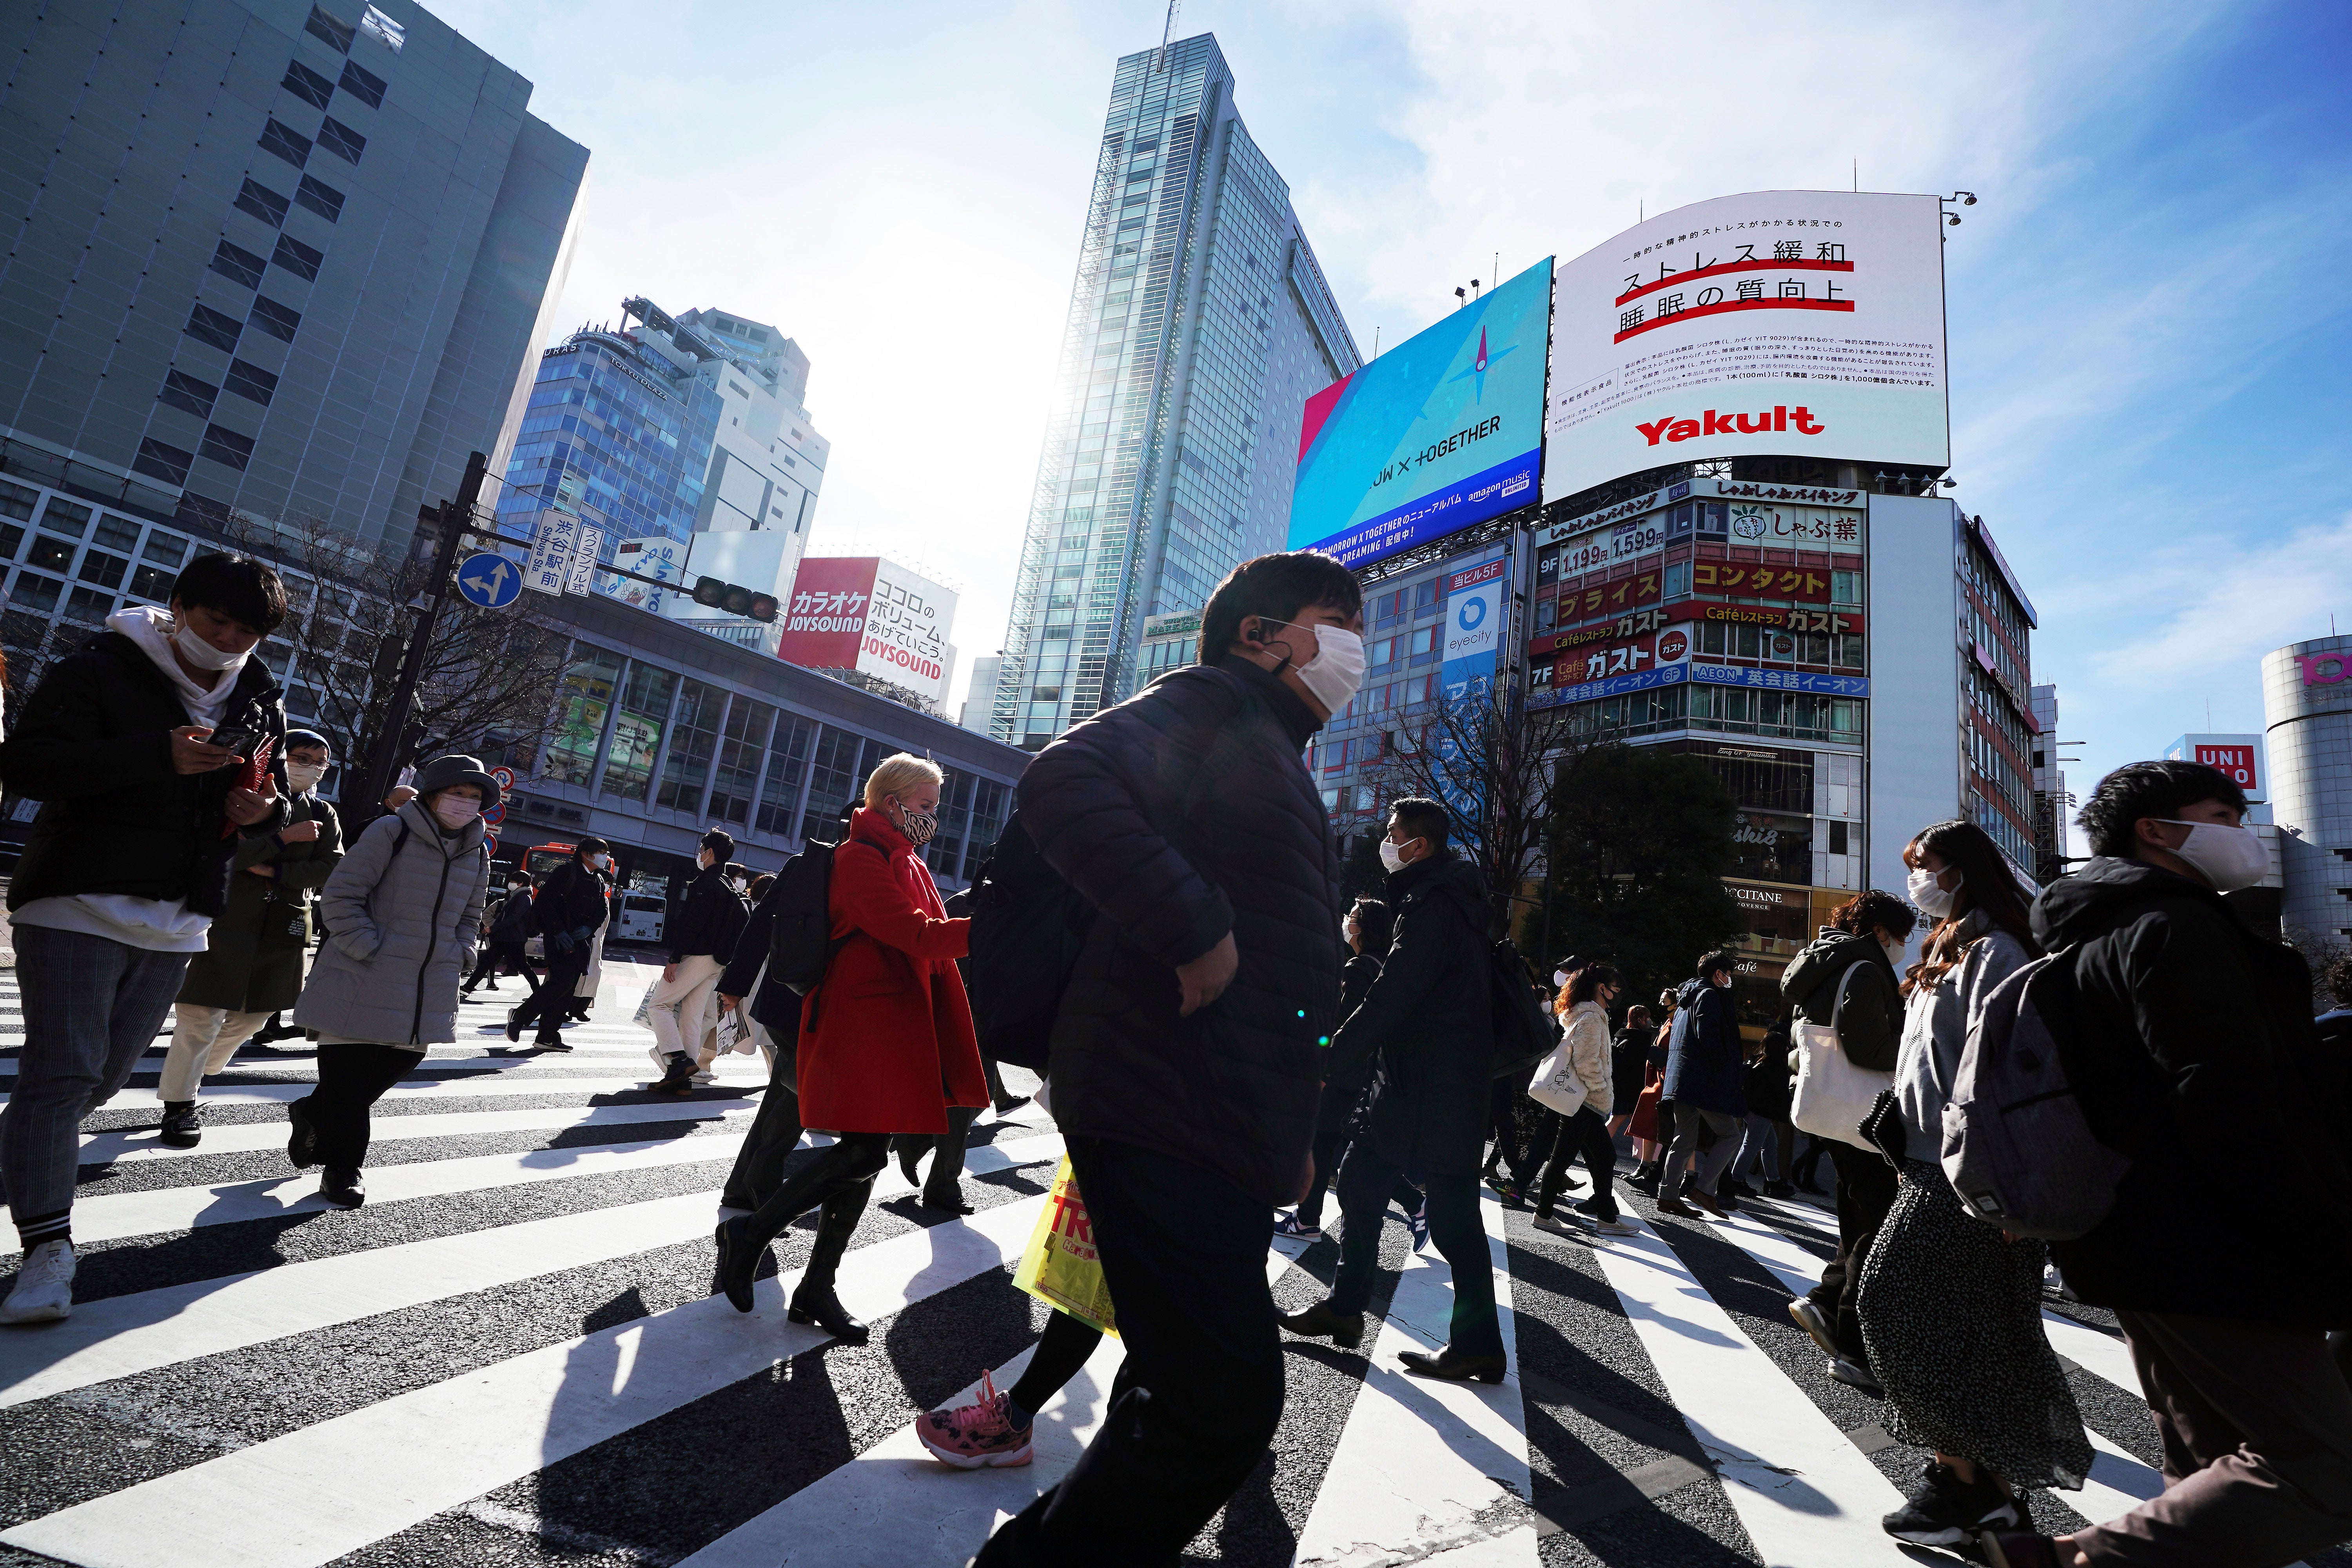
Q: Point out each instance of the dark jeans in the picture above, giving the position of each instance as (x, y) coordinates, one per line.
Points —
(1865, 1191)
(1200, 1396)
(92, 1006)
(1366, 1182)
(550, 1003)
(352, 1079)
(486, 966)
(2257, 1429)
(1585, 1133)
(758, 1168)
(1335, 1113)
(1067, 1345)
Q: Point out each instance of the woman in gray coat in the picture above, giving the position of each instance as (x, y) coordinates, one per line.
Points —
(403, 915)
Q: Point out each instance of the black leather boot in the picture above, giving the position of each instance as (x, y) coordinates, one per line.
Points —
(814, 1301)
(1454, 1367)
(1323, 1321)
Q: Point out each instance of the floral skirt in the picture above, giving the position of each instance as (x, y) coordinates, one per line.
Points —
(1952, 1316)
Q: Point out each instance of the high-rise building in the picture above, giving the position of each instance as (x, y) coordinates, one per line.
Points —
(684, 443)
(1200, 323)
(980, 702)
(2307, 734)
(269, 261)
(2053, 806)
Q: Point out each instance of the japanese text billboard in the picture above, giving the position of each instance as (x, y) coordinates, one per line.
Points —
(1779, 323)
(862, 612)
(1443, 431)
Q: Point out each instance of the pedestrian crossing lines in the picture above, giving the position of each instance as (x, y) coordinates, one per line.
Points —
(512, 1354)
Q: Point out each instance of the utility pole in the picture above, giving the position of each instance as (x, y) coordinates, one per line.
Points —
(456, 519)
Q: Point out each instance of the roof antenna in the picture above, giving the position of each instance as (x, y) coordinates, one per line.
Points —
(1857, 176)
(1167, 32)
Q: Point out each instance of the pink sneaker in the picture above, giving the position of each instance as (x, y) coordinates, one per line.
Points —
(974, 1436)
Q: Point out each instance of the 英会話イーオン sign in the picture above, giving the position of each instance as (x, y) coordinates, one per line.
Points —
(1443, 431)
(1779, 323)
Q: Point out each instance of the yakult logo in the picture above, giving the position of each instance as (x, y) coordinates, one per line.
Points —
(1711, 423)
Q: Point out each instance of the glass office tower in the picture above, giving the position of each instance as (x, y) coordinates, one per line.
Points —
(1199, 324)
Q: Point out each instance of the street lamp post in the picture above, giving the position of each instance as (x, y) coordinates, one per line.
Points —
(455, 518)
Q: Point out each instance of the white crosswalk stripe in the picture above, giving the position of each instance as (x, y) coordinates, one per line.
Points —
(584, 1392)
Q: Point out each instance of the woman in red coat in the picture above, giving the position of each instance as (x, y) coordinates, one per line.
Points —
(887, 1043)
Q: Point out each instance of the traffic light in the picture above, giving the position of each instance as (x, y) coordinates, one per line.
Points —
(734, 598)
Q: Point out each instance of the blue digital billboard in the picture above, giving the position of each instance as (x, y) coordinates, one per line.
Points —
(1443, 431)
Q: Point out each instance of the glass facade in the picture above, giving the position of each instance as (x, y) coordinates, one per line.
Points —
(1199, 326)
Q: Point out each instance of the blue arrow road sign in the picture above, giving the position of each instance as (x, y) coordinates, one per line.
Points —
(490, 581)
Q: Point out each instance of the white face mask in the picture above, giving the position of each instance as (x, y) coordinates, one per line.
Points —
(456, 810)
(600, 860)
(200, 652)
(2230, 858)
(1336, 670)
(1894, 951)
(1935, 899)
(1393, 853)
(303, 777)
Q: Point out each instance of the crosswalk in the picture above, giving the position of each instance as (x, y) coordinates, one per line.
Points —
(511, 1354)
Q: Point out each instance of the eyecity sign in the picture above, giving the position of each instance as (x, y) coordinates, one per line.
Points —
(1775, 323)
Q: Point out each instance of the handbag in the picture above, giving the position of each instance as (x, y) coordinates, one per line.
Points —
(1555, 1085)
(1833, 1095)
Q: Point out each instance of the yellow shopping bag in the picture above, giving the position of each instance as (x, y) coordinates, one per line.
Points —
(1061, 1268)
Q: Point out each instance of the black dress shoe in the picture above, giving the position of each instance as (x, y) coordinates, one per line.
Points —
(1454, 1367)
(514, 1029)
(1321, 1320)
(677, 1078)
(817, 1304)
(302, 1142)
(342, 1188)
(949, 1202)
(738, 1259)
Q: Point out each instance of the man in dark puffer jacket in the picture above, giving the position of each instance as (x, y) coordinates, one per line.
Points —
(1186, 1057)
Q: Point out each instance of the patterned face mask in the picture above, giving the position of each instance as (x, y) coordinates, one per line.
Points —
(918, 826)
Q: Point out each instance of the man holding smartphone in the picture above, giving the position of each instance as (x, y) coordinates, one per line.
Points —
(126, 868)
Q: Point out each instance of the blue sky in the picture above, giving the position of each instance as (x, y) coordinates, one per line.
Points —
(2148, 342)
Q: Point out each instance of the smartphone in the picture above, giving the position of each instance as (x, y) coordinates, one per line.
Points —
(241, 742)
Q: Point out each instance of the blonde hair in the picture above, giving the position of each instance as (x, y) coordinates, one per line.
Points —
(895, 775)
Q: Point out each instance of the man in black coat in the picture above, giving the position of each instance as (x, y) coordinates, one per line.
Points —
(1185, 1057)
(702, 930)
(2192, 1039)
(1426, 1029)
(569, 911)
(139, 748)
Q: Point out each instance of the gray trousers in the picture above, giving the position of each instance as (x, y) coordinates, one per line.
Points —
(92, 1008)
(2257, 1429)
(1688, 1119)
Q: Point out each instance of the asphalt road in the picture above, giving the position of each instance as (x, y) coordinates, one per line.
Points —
(511, 1355)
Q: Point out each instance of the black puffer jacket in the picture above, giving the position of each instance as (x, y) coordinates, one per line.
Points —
(572, 897)
(94, 746)
(1182, 813)
(1425, 1027)
(1356, 977)
(708, 919)
(2194, 1045)
(1873, 1025)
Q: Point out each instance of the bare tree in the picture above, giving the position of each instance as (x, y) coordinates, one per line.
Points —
(1494, 763)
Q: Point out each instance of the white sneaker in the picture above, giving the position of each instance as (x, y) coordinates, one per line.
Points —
(44, 1291)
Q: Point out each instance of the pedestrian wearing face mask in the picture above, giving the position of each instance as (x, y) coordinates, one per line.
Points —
(568, 914)
(1856, 954)
(403, 914)
(252, 962)
(1187, 1051)
(702, 931)
(887, 1045)
(126, 867)
(1705, 1085)
(2192, 1039)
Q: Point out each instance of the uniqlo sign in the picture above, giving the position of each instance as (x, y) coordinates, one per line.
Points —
(2238, 761)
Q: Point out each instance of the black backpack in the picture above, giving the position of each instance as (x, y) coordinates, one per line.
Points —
(1028, 927)
(1523, 1033)
(799, 945)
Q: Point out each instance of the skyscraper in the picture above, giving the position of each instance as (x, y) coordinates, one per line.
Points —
(265, 261)
(1199, 324)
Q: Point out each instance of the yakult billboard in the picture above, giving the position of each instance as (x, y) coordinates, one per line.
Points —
(1779, 322)
(862, 612)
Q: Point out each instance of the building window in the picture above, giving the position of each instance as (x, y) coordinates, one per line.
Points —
(1845, 587)
(50, 554)
(184, 392)
(89, 606)
(297, 258)
(238, 265)
(341, 140)
(308, 85)
(275, 319)
(833, 779)
(250, 381)
(581, 705)
(261, 202)
(319, 197)
(364, 84)
(167, 463)
(945, 851)
(336, 36)
(226, 447)
(637, 732)
(209, 326)
(34, 593)
(693, 736)
(285, 142)
(738, 773)
(99, 567)
(117, 532)
(787, 761)
(990, 803)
